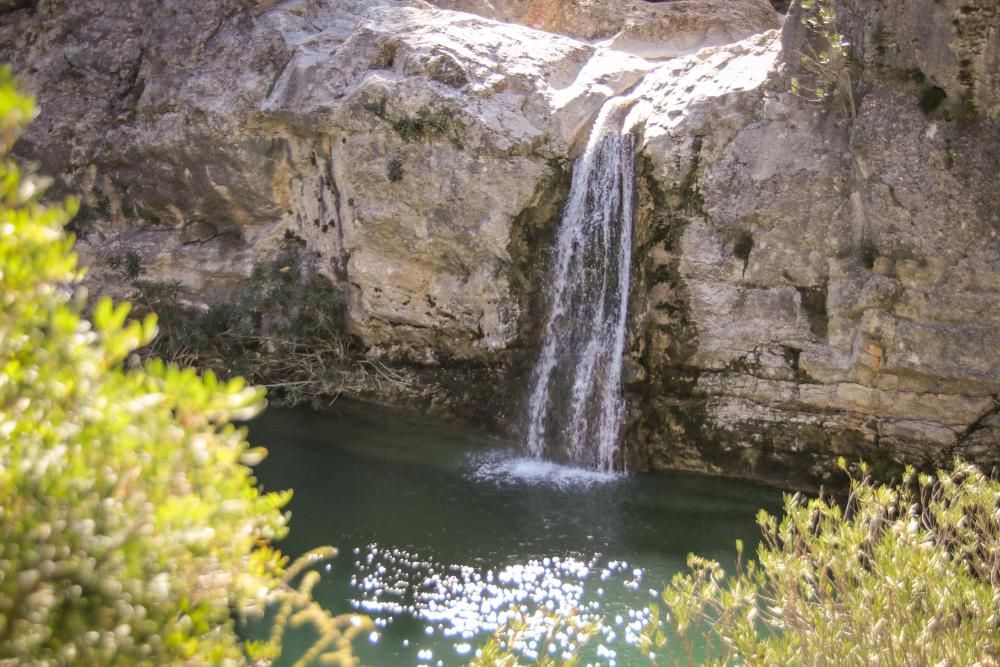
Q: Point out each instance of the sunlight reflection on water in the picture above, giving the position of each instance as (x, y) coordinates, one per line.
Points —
(459, 604)
(435, 512)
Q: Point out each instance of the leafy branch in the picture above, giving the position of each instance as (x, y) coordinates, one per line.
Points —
(899, 575)
(828, 66)
(297, 608)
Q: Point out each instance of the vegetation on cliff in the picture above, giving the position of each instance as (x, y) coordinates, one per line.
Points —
(283, 328)
(826, 62)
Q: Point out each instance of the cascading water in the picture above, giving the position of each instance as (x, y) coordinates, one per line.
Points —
(576, 405)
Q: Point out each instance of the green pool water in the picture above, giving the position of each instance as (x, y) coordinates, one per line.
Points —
(442, 531)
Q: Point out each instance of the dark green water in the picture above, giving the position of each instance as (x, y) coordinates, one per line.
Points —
(441, 531)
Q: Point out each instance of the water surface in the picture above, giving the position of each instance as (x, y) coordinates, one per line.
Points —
(443, 533)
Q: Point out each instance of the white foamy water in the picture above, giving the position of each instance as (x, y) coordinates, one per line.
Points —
(576, 407)
(500, 469)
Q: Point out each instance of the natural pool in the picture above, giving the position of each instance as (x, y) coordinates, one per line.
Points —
(440, 531)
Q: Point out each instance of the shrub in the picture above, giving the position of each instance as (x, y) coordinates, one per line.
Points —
(511, 645)
(826, 62)
(907, 574)
(901, 575)
(866, 252)
(284, 327)
(131, 529)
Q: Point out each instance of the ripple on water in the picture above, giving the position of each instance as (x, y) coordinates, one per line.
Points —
(503, 469)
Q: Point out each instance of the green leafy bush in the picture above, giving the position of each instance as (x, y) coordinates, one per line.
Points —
(131, 529)
(907, 574)
(903, 575)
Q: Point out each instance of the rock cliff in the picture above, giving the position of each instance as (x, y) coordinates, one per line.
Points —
(812, 279)
(820, 282)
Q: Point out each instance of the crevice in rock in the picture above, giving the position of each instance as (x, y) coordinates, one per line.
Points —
(742, 240)
(978, 424)
(974, 24)
(198, 232)
(216, 29)
(662, 335)
(14, 5)
(279, 73)
(385, 57)
(134, 85)
(328, 181)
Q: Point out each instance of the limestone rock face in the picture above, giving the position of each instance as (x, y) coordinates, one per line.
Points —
(815, 284)
(400, 143)
(649, 28)
(944, 47)
(808, 282)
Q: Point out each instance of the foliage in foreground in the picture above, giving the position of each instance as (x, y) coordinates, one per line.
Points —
(514, 640)
(131, 528)
(907, 574)
(901, 575)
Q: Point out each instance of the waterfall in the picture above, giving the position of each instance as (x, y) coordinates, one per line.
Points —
(576, 404)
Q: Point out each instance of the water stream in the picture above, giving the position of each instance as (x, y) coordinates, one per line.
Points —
(442, 531)
(575, 407)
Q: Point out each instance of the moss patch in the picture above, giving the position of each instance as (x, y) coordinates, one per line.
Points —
(813, 301)
(394, 170)
(866, 252)
(931, 98)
